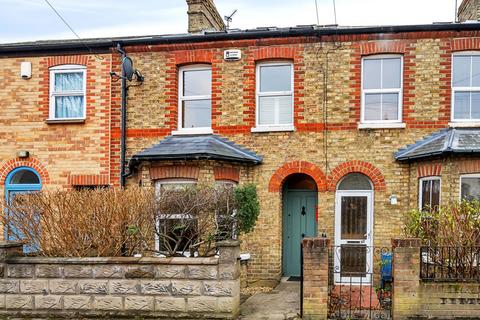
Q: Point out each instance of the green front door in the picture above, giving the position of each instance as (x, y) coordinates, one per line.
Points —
(299, 221)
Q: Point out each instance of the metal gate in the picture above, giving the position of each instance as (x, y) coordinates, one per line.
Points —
(360, 282)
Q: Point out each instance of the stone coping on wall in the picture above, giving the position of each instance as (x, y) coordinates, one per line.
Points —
(113, 260)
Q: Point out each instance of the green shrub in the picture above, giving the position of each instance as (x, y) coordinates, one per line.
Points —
(247, 206)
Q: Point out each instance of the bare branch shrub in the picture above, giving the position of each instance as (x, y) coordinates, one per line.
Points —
(454, 225)
(114, 222)
(101, 222)
(191, 219)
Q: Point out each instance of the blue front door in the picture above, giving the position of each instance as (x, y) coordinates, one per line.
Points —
(299, 221)
(20, 181)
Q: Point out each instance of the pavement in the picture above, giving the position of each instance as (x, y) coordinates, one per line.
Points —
(282, 303)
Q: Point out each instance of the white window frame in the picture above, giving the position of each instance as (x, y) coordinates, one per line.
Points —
(67, 68)
(468, 175)
(463, 89)
(276, 126)
(420, 193)
(158, 186)
(181, 98)
(399, 91)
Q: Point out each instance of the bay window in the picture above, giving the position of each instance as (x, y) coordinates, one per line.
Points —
(429, 195)
(470, 187)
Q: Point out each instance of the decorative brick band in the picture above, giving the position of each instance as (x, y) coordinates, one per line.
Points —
(226, 173)
(191, 56)
(305, 167)
(264, 53)
(169, 172)
(378, 47)
(469, 166)
(88, 179)
(357, 166)
(33, 163)
(433, 169)
(466, 44)
(407, 243)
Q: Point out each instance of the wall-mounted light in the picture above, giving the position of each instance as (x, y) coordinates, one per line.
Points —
(23, 154)
(393, 199)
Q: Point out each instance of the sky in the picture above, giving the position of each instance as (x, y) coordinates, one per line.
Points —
(28, 20)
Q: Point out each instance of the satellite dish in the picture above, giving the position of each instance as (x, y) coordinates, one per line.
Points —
(127, 68)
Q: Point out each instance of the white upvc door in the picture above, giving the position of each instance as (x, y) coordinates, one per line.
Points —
(353, 254)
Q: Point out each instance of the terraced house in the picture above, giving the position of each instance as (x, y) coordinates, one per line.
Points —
(342, 129)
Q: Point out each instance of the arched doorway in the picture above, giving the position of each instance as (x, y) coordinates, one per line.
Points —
(299, 219)
(18, 181)
(353, 228)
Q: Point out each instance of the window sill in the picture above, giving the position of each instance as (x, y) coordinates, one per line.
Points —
(467, 124)
(193, 131)
(59, 121)
(385, 125)
(273, 128)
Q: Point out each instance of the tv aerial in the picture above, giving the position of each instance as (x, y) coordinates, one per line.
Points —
(229, 19)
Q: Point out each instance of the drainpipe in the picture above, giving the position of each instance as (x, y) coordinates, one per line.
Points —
(123, 121)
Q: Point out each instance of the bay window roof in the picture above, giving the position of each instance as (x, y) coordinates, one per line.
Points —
(445, 141)
(196, 147)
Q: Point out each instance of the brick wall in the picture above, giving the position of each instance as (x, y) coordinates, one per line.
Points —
(315, 274)
(64, 154)
(120, 287)
(326, 135)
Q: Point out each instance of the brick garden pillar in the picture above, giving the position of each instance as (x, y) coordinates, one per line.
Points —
(406, 277)
(315, 278)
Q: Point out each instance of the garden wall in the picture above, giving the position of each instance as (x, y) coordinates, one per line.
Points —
(414, 298)
(122, 287)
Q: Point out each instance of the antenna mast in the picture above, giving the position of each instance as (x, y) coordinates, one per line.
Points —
(335, 11)
(316, 10)
(456, 11)
(229, 19)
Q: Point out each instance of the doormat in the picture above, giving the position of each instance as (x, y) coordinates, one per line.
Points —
(294, 278)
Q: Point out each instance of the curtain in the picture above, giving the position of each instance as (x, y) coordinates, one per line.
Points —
(69, 106)
(72, 81)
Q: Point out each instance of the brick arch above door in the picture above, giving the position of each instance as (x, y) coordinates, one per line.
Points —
(33, 163)
(308, 168)
(357, 166)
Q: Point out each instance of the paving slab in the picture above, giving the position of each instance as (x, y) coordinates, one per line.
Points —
(282, 303)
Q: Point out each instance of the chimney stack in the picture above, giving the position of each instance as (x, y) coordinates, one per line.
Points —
(469, 10)
(203, 16)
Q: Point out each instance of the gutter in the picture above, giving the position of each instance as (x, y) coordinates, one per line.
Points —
(104, 44)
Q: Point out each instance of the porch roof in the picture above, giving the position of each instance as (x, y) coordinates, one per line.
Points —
(197, 147)
(445, 141)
